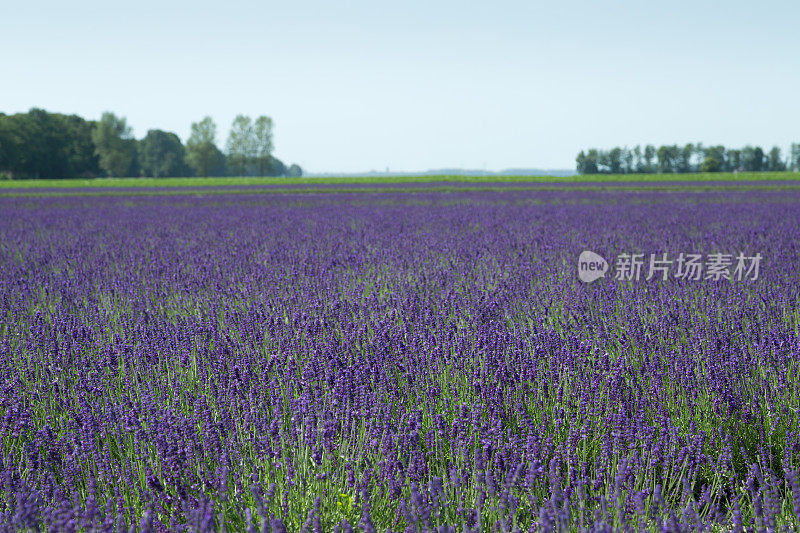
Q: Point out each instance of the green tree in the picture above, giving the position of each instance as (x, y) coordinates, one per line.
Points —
(603, 163)
(734, 160)
(201, 150)
(587, 163)
(39, 144)
(758, 159)
(775, 161)
(262, 131)
(13, 146)
(294, 171)
(43, 145)
(715, 153)
(638, 159)
(161, 153)
(752, 158)
(794, 157)
(628, 166)
(615, 161)
(241, 145)
(6, 146)
(710, 164)
(667, 159)
(580, 162)
(113, 144)
(684, 164)
(77, 149)
(699, 156)
(648, 156)
(277, 167)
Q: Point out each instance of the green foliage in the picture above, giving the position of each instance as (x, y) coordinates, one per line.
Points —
(587, 163)
(262, 130)
(39, 144)
(774, 160)
(249, 148)
(43, 145)
(114, 145)
(779, 179)
(670, 159)
(794, 157)
(241, 145)
(710, 164)
(162, 154)
(294, 171)
(201, 149)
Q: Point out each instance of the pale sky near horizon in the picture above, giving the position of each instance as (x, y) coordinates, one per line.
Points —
(415, 85)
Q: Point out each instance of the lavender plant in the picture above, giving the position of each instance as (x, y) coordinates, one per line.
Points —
(411, 361)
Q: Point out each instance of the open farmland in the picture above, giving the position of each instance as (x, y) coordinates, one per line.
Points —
(420, 357)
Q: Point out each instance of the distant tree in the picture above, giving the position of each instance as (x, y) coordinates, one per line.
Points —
(688, 158)
(710, 164)
(734, 160)
(628, 165)
(752, 158)
(775, 161)
(699, 156)
(161, 153)
(648, 156)
(262, 130)
(39, 144)
(580, 162)
(603, 163)
(294, 171)
(684, 163)
(667, 158)
(638, 160)
(80, 160)
(590, 162)
(715, 153)
(7, 152)
(794, 157)
(241, 145)
(19, 144)
(615, 161)
(713, 159)
(114, 144)
(219, 166)
(278, 167)
(747, 157)
(201, 149)
(758, 159)
(37, 141)
(42, 144)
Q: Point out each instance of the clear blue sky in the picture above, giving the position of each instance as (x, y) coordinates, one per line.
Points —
(418, 84)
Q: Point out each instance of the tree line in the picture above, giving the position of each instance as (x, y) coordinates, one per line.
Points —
(684, 159)
(39, 144)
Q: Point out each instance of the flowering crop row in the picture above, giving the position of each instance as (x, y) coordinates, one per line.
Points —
(403, 362)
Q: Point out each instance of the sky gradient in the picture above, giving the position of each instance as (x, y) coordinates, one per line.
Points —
(367, 85)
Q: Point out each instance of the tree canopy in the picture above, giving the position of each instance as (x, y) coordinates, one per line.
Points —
(669, 159)
(114, 145)
(40, 144)
(161, 153)
(201, 147)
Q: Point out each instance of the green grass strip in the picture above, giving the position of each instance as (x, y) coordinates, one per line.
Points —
(238, 181)
(402, 190)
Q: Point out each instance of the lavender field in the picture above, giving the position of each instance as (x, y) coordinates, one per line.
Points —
(397, 361)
